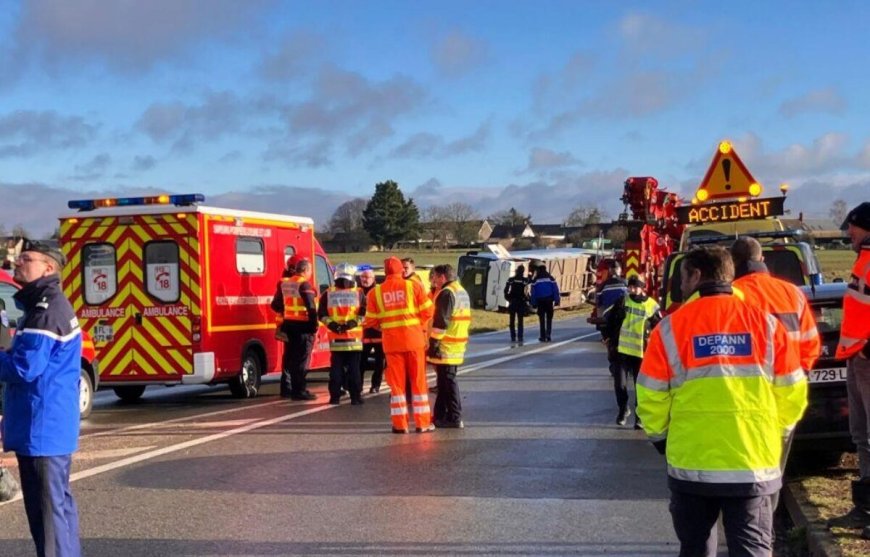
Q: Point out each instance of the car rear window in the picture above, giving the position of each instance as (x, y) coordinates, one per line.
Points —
(785, 265)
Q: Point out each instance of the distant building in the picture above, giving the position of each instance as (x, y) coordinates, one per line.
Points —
(822, 232)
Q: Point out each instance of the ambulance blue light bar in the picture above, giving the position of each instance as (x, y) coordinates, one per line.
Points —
(91, 204)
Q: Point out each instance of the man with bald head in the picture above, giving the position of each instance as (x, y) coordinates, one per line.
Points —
(783, 300)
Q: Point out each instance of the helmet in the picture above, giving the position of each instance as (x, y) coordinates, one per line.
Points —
(344, 271)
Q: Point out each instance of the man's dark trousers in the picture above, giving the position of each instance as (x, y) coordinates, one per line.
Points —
(627, 366)
(747, 521)
(516, 313)
(545, 318)
(50, 506)
(448, 407)
(373, 351)
(344, 370)
(297, 353)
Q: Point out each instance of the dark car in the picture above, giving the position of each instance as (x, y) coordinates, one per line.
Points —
(825, 425)
(9, 313)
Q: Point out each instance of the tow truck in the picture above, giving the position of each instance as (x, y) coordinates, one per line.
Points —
(653, 233)
(728, 204)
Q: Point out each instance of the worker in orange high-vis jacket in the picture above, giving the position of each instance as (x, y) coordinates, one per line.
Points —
(784, 301)
(854, 347)
(719, 390)
(341, 309)
(296, 301)
(448, 340)
(399, 308)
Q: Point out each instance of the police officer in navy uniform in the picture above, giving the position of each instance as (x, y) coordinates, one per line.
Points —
(544, 296)
(41, 372)
(515, 292)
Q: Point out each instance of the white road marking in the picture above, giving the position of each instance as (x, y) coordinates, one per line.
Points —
(148, 455)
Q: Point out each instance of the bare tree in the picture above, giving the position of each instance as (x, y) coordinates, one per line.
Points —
(463, 221)
(838, 211)
(19, 232)
(511, 217)
(435, 231)
(348, 217)
(583, 215)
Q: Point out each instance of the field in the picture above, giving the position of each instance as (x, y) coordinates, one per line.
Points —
(834, 263)
(481, 321)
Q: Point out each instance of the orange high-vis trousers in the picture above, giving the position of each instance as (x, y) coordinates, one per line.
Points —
(402, 366)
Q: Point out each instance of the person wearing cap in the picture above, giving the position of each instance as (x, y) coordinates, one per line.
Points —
(854, 347)
(399, 307)
(342, 308)
(612, 290)
(628, 327)
(295, 301)
(41, 372)
(517, 296)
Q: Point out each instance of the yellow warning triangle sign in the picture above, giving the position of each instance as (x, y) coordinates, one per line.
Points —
(727, 177)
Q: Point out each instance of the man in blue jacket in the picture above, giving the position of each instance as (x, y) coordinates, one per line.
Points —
(544, 296)
(41, 400)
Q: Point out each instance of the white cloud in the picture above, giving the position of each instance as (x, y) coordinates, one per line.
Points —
(93, 169)
(541, 159)
(457, 53)
(25, 133)
(428, 145)
(128, 36)
(827, 100)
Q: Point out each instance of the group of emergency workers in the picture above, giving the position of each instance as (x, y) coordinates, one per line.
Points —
(722, 382)
(399, 325)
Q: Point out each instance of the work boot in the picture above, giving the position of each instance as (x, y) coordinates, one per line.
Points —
(859, 515)
(865, 533)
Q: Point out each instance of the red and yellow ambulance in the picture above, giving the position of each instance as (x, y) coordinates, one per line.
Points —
(175, 292)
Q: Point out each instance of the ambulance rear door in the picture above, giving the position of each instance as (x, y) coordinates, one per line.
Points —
(165, 287)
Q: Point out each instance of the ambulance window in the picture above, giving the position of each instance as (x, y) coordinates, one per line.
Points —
(250, 255)
(161, 271)
(99, 267)
(324, 273)
(289, 251)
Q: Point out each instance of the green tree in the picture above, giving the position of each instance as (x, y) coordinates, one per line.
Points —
(389, 218)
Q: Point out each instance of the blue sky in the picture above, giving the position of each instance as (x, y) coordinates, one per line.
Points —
(297, 107)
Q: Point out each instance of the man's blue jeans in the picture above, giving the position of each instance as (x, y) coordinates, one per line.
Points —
(50, 506)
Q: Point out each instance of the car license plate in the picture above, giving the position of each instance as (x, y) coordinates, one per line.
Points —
(103, 333)
(827, 375)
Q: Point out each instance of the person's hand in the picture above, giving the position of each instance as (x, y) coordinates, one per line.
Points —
(352, 324)
(334, 327)
(434, 349)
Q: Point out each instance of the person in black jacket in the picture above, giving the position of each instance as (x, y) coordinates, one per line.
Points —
(515, 292)
(300, 326)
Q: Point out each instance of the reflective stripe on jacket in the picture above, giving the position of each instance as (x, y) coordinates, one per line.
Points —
(399, 308)
(294, 304)
(719, 382)
(341, 305)
(855, 328)
(786, 302)
(450, 324)
(633, 332)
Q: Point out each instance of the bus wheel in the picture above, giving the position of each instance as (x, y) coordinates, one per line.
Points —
(129, 393)
(86, 394)
(247, 383)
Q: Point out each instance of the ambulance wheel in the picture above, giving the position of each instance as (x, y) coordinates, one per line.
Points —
(247, 383)
(129, 393)
(86, 394)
